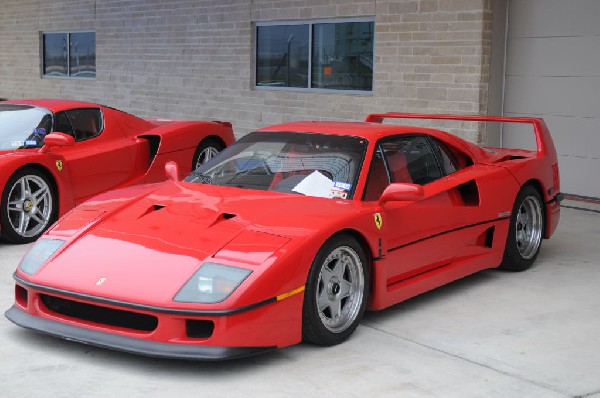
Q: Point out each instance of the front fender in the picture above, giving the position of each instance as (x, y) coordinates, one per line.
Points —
(47, 163)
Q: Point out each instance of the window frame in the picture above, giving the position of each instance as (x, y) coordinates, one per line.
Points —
(68, 75)
(310, 23)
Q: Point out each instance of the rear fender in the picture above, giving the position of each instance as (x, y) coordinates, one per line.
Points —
(184, 135)
(523, 170)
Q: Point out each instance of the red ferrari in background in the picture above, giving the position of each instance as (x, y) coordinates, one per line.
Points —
(291, 233)
(55, 154)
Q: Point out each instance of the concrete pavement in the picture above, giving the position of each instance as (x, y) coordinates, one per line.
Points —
(494, 334)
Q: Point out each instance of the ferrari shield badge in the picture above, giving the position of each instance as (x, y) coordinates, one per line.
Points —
(378, 220)
(59, 165)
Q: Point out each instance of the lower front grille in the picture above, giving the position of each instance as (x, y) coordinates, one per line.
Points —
(99, 314)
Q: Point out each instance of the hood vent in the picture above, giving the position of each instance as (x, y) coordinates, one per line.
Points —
(222, 217)
(151, 209)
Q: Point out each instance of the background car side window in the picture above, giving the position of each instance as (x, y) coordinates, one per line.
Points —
(82, 124)
(87, 123)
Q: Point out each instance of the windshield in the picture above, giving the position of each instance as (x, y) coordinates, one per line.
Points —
(23, 126)
(302, 163)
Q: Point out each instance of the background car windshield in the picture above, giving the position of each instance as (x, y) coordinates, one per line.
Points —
(23, 126)
(302, 163)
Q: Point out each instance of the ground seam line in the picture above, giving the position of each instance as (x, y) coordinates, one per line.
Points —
(548, 387)
(580, 208)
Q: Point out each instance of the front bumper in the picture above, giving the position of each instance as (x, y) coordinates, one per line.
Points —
(128, 344)
(166, 332)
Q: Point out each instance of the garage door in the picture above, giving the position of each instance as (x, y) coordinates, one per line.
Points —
(553, 71)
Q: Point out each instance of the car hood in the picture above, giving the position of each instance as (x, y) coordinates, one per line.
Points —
(16, 158)
(146, 247)
(4, 152)
(8, 153)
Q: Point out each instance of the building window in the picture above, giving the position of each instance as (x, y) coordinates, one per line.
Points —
(319, 55)
(69, 54)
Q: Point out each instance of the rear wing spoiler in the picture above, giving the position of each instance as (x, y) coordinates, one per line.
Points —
(542, 134)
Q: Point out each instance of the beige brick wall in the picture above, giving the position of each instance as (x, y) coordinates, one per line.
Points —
(193, 59)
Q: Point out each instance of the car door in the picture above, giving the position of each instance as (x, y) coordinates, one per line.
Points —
(419, 236)
(101, 159)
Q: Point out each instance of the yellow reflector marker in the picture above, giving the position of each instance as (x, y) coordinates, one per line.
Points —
(290, 293)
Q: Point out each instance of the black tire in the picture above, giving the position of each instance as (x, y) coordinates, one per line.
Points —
(206, 149)
(320, 326)
(525, 232)
(27, 213)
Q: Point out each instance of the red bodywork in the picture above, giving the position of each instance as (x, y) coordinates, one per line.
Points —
(147, 241)
(129, 151)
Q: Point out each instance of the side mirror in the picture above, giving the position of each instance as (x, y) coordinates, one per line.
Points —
(57, 139)
(172, 171)
(402, 192)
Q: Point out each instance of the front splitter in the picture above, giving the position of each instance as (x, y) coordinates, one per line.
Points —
(129, 344)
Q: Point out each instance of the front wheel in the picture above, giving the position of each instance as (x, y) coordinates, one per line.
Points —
(28, 206)
(336, 292)
(206, 150)
(525, 231)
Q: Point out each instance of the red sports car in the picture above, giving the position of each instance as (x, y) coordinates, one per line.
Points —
(55, 154)
(289, 234)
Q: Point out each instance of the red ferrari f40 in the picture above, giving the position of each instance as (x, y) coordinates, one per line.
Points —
(289, 234)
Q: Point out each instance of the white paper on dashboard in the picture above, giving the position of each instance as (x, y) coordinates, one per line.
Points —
(315, 184)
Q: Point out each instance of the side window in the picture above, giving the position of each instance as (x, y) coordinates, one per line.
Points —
(87, 123)
(445, 156)
(410, 159)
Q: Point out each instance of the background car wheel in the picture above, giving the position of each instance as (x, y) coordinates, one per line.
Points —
(28, 206)
(206, 150)
(336, 292)
(525, 232)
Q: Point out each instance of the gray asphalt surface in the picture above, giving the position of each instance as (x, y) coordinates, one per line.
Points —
(493, 334)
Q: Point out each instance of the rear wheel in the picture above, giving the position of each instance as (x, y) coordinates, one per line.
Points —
(207, 149)
(336, 292)
(525, 231)
(28, 206)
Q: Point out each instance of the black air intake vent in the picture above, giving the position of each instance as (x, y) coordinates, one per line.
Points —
(98, 314)
(469, 193)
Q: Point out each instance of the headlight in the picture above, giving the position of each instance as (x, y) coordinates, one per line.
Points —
(38, 254)
(212, 283)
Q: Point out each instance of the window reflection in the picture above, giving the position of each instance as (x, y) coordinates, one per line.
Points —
(343, 56)
(82, 50)
(69, 54)
(55, 54)
(340, 58)
(282, 56)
